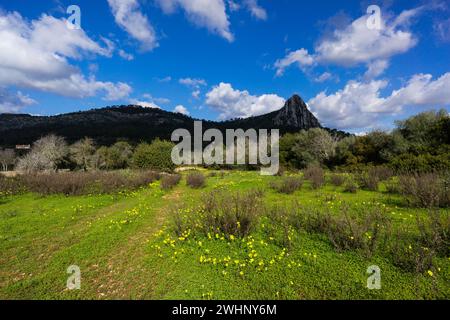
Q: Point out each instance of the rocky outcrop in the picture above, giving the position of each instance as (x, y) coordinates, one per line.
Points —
(295, 114)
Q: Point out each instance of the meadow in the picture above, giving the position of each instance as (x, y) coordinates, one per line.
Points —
(224, 235)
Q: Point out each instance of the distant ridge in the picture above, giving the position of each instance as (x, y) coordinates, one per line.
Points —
(136, 124)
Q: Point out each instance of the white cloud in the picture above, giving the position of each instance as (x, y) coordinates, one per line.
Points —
(129, 17)
(148, 96)
(13, 102)
(360, 104)
(181, 109)
(35, 55)
(323, 77)
(125, 55)
(442, 29)
(190, 82)
(210, 14)
(196, 94)
(231, 103)
(300, 57)
(356, 44)
(348, 108)
(164, 80)
(421, 90)
(375, 69)
(233, 6)
(256, 10)
(145, 104)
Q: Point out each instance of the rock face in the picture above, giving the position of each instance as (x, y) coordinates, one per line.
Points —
(295, 114)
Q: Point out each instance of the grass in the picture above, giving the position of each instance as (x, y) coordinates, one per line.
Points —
(126, 248)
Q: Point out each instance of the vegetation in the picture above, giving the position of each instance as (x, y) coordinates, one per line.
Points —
(234, 239)
(121, 214)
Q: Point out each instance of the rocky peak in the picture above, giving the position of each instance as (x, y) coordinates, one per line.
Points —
(295, 114)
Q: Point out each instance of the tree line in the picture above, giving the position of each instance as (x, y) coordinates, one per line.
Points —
(420, 143)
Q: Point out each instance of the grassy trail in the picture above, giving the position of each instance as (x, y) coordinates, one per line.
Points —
(105, 236)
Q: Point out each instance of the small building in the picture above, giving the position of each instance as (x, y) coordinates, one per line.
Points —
(23, 147)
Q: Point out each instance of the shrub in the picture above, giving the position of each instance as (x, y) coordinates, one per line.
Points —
(367, 181)
(392, 186)
(434, 232)
(337, 179)
(287, 185)
(221, 213)
(410, 256)
(154, 156)
(78, 183)
(343, 231)
(10, 186)
(196, 180)
(381, 172)
(425, 190)
(316, 175)
(350, 186)
(168, 181)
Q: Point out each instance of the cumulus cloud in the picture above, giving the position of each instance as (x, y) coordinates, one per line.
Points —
(360, 104)
(421, 90)
(13, 102)
(344, 108)
(300, 57)
(129, 17)
(210, 14)
(324, 77)
(145, 104)
(31, 56)
(375, 69)
(231, 103)
(181, 109)
(356, 44)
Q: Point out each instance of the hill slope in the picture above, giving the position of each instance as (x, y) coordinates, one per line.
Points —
(135, 123)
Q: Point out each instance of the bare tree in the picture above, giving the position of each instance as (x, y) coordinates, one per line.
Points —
(82, 153)
(7, 158)
(46, 154)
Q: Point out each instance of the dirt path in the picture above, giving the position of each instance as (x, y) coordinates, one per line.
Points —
(138, 283)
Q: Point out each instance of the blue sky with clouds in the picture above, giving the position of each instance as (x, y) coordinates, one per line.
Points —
(219, 59)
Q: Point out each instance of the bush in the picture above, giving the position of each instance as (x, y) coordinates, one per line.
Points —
(343, 231)
(367, 181)
(168, 181)
(79, 183)
(287, 185)
(337, 179)
(196, 180)
(382, 173)
(316, 175)
(425, 190)
(350, 186)
(410, 256)
(392, 186)
(434, 232)
(221, 213)
(154, 156)
(10, 186)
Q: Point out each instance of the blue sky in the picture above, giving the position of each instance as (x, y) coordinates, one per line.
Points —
(218, 59)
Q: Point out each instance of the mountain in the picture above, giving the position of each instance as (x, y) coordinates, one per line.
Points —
(136, 123)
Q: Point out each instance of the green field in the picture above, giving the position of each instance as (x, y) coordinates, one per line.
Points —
(126, 248)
